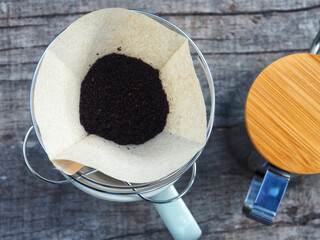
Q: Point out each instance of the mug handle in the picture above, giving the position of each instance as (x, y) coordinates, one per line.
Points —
(265, 193)
(176, 216)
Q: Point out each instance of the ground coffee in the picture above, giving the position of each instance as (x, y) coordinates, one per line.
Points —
(122, 100)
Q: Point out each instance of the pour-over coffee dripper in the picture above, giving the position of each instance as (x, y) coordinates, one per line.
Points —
(282, 118)
(162, 193)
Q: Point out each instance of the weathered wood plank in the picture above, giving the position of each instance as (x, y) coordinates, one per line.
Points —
(25, 47)
(216, 34)
(31, 209)
(252, 33)
(18, 9)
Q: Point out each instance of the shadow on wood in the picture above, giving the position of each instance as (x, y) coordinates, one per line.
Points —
(238, 140)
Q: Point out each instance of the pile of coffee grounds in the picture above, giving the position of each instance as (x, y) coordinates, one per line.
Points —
(122, 100)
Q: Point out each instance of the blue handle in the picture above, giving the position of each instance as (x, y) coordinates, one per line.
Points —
(176, 216)
(265, 194)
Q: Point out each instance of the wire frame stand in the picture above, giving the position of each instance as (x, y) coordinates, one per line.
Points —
(126, 188)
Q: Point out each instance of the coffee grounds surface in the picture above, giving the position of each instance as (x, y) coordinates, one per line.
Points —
(122, 100)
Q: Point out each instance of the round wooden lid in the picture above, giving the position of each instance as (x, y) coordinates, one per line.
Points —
(283, 113)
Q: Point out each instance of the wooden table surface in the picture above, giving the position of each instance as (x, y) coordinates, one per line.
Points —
(238, 38)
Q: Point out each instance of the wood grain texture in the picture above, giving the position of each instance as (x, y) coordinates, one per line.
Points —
(17, 9)
(283, 113)
(246, 35)
(232, 36)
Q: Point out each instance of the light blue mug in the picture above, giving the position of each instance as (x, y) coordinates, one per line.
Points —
(161, 193)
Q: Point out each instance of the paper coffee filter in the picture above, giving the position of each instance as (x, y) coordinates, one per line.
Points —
(147, 162)
(187, 114)
(57, 96)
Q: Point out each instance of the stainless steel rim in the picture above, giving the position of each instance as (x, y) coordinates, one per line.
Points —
(180, 195)
(315, 46)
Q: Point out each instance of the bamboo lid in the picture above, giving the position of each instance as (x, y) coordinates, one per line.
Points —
(283, 113)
